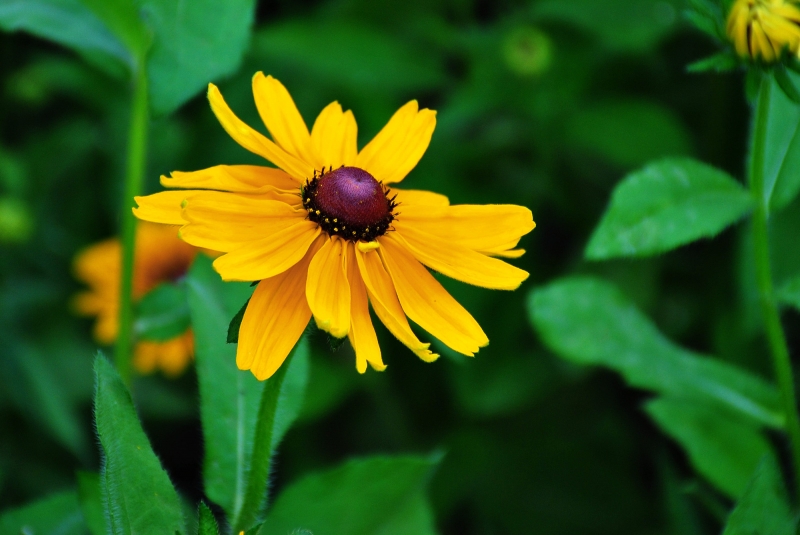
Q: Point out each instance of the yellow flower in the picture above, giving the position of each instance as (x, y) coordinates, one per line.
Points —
(159, 257)
(761, 29)
(326, 235)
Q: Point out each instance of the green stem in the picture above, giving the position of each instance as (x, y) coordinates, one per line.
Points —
(134, 176)
(769, 308)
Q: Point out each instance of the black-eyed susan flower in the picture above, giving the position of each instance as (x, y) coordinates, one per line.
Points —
(762, 29)
(159, 257)
(328, 232)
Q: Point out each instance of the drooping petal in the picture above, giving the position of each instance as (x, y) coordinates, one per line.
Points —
(274, 320)
(327, 289)
(334, 136)
(163, 207)
(427, 303)
(362, 334)
(256, 142)
(417, 197)
(234, 178)
(384, 301)
(459, 262)
(489, 229)
(397, 149)
(281, 117)
(268, 256)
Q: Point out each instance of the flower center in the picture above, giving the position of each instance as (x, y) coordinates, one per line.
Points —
(350, 203)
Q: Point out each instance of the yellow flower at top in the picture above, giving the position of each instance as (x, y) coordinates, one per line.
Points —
(329, 232)
(762, 29)
(159, 257)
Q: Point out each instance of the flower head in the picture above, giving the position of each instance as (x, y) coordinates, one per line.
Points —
(159, 257)
(762, 29)
(328, 233)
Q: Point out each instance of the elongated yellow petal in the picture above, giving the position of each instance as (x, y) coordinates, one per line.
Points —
(362, 334)
(269, 256)
(163, 207)
(489, 229)
(333, 137)
(327, 289)
(427, 303)
(416, 197)
(397, 149)
(386, 305)
(274, 320)
(281, 117)
(458, 262)
(235, 178)
(255, 142)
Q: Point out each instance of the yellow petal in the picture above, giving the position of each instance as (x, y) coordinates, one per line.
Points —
(384, 301)
(163, 207)
(397, 149)
(333, 137)
(415, 197)
(458, 262)
(255, 142)
(362, 334)
(269, 256)
(281, 117)
(327, 289)
(427, 303)
(234, 178)
(274, 320)
(489, 229)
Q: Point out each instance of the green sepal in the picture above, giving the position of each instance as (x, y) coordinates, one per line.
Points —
(335, 343)
(707, 17)
(206, 523)
(786, 84)
(236, 322)
(752, 84)
(721, 62)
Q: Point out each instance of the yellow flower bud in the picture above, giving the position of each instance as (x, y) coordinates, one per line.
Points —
(761, 29)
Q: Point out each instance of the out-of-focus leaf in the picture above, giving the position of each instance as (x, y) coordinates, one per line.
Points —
(378, 495)
(723, 448)
(623, 25)
(137, 493)
(764, 507)
(207, 524)
(384, 63)
(786, 84)
(328, 385)
(707, 17)
(665, 205)
(628, 133)
(66, 22)
(589, 321)
(789, 293)
(58, 513)
(782, 147)
(122, 18)
(91, 502)
(192, 45)
(163, 313)
(720, 62)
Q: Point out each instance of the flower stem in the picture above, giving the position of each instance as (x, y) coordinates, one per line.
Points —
(134, 175)
(772, 321)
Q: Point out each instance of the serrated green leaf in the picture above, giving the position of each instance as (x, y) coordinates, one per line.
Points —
(782, 147)
(236, 323)
(207, 524)
(720, 62)
(58, 513)
(163, 313)
(137, 493)
(588, 321)
(722, 447)
(789, 293)
(764, 507)
(91, 502)
(665, 205)
(378, 495)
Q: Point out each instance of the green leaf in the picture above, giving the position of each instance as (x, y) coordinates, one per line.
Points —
(192, 45)
(121, 17)
(137, 493)
(782, 147)
(58, 513)
(764, 507)
(722, 447)
(163, 313)
(720, 62)
(789, 293)
(628, 133)
(236, 323)
(66, 22)
(207, 524)
(786, 84)
(91, 502)
(588, 321)
(665, 205)
(377, 495)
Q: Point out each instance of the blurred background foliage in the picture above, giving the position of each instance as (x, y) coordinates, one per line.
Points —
(545, 103)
